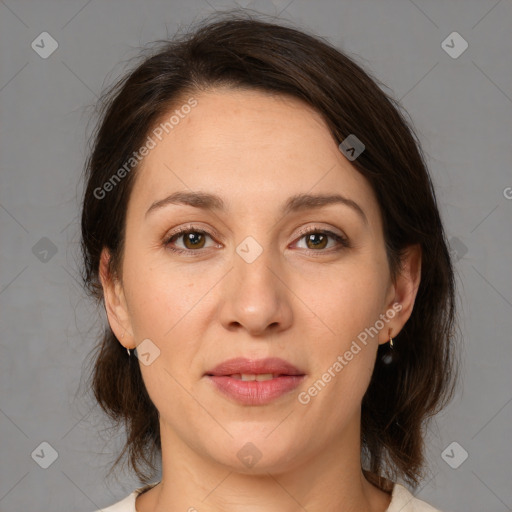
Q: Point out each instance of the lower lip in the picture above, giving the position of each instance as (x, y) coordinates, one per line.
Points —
(256, 392)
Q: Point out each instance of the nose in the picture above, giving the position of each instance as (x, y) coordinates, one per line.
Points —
(256, 297)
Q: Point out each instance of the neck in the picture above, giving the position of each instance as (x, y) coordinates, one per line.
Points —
(329, 479)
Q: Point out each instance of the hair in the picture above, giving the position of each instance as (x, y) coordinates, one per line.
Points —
(239, 51)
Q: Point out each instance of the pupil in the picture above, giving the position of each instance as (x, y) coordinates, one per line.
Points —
(190, 239)
(311, 239)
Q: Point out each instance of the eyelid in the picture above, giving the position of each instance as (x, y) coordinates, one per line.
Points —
(316, 228)
(193, 228)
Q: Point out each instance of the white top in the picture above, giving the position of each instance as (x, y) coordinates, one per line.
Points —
(401, 501)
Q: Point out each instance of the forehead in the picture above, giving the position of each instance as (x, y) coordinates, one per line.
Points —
(248, 146)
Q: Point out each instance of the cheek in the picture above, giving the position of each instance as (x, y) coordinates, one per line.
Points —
(344, 301)
(160, 297)
(344, 357)
(170, 306)
(345, 335)
(165, 306)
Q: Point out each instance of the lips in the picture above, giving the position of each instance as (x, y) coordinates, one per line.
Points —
(255, 382)
(240, 367)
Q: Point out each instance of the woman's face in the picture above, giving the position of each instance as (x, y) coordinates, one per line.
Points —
(254, 286)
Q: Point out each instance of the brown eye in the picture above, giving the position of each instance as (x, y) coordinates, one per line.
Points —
(193, 240)
(317, 241)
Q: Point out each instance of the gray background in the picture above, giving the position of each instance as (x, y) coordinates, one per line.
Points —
(461, 108)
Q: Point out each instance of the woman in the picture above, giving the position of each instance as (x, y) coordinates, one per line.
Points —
(261, 227)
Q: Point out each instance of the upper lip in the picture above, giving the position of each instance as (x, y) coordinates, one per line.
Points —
(272, 365)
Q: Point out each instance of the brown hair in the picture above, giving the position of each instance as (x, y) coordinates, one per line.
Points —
(240, 51)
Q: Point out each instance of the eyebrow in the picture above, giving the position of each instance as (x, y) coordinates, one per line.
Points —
(296, 203)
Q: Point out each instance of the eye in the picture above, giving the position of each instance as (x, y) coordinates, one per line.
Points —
(193, 239)
(316, 239)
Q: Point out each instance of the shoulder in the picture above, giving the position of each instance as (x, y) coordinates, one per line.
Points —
(126, 504)
(403, 501)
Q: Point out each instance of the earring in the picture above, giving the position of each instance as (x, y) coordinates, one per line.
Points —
(390, 355)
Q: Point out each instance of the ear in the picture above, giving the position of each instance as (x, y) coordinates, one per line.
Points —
(403, 293)
(115, 302)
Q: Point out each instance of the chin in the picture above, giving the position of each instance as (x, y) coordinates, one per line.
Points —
(258, 454)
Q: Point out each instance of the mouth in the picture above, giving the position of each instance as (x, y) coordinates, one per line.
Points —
(255, 369)
(255, 382)
(256, 376)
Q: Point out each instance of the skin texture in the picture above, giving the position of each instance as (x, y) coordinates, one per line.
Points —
(295, 301)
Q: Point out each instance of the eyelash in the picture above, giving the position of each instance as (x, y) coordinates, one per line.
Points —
(343, 241)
